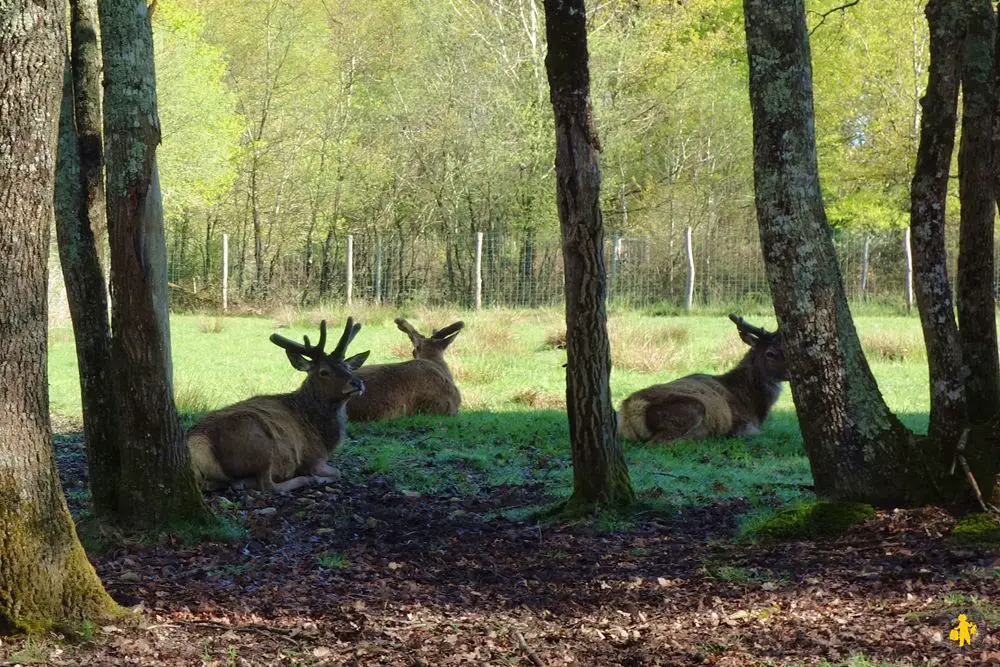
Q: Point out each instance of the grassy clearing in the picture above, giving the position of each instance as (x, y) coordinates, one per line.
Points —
(512, 429)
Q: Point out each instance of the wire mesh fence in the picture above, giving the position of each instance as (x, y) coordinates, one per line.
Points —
(714, 268)
(679, 267)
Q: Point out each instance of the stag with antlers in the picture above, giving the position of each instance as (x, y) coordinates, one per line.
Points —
(281, 442)
(698, 406)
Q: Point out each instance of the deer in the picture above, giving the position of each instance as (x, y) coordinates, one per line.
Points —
(702, 406)
(281, 442)
(422, 385)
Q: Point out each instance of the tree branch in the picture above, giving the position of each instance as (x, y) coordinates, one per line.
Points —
(822, 17)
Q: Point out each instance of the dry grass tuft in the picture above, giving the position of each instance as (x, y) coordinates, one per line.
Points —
(497, 337)
(643, 349)
(192, 400)
(891, 346)
(211, 325)
(478, 374)
(288, 317)
(535, 398)
(555, 339)
(401, 351)
(731, 352)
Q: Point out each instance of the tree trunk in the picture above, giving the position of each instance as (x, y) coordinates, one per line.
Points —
(928, 196)
(600, 475)
(86, 292)
(157, 487)
(857, 448)
(45, 577)
(976, 164)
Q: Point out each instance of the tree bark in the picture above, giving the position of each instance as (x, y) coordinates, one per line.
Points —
(45, 577)
(157, 486)
(928, 197)
(976, 165)
(857, 448)
(600, 475)
(86, 291)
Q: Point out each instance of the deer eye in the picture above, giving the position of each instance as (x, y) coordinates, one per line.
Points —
(324, 373)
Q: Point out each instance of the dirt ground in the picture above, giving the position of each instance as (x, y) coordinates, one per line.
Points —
(361, 574)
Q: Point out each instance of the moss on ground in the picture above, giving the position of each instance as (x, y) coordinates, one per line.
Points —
(977, 530)
(808, 521)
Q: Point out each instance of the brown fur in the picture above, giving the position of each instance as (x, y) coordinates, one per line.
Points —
(423, 385)
(699, 406)
(281, 442)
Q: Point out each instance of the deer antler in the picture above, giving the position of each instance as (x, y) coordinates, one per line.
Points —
(314, 352)
(746, 327)
(350, 331)
(453, 328)
(407, 328)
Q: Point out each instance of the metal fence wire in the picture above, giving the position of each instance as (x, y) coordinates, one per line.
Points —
(700, 267)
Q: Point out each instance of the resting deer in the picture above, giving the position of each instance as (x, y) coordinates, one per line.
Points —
(422, 385)
(281, 442)
(703, 406)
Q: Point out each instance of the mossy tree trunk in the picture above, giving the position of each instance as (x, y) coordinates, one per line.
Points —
(600, 475)
(45, 577)
(857, 448)
(82, 231)
(928, 196)
(157, 487)
(976, 167)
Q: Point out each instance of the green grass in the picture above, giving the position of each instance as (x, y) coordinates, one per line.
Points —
(333, 561)
(512, 428)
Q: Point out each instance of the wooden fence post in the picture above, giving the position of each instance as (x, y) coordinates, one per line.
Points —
(479, 270)
(864, 264)
(378, 273)
(908, 271)
(225, 272)
(350, 268)
(689, 248)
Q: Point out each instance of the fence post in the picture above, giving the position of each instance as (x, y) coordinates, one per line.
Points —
(908, 272)
(479, 270)
(689, 248)
(225, 272)
(616, 243)
(864, 264)
(350, 268)
(378, 273)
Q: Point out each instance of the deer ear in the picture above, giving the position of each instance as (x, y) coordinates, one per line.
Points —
(749, 338)
(355, 362)
(298, 362)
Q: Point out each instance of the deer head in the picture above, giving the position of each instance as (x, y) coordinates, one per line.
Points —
(431, 348)
(767, 352)
(330, 377)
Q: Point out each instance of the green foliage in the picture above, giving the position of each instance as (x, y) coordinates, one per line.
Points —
(806, 521)
(980, 530)
(333, 561)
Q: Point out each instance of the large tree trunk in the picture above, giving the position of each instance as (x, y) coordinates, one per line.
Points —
(928, 196)
(857, 448)
(600, 475)
(81, 230)
(45, 577)
(157, 486)
(976, 165)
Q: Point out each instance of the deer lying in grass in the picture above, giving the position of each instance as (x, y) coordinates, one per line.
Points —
(703, 406)
(281, 442)
(422, 385)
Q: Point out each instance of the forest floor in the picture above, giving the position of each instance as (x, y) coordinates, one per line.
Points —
(363, 573)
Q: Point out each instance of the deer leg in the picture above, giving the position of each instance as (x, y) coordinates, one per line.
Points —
(324, 469)
(293, 484)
